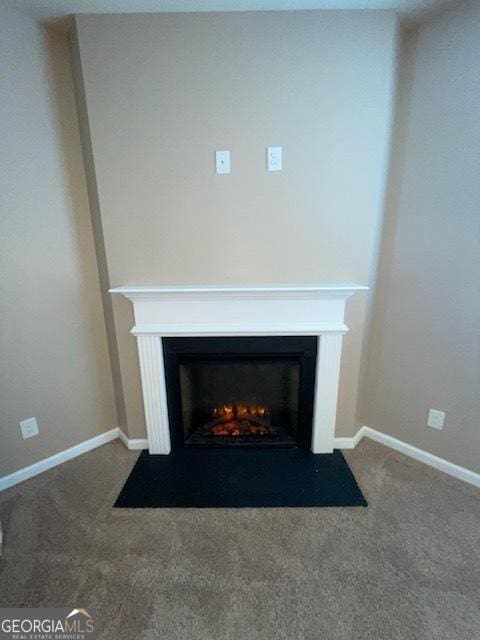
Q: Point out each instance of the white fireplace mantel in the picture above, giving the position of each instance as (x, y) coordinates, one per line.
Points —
(261, 310)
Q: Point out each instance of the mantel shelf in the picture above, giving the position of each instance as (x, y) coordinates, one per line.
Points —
(275, 291)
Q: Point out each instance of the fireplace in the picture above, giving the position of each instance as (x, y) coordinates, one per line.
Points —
(249, 313)
(240, 391)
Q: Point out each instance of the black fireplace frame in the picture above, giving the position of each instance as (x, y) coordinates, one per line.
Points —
(304, 348)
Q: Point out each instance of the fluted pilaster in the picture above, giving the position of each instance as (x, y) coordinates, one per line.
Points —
(152, 370)
(326, 391)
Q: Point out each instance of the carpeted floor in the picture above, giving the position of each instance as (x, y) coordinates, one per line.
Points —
(407, 567)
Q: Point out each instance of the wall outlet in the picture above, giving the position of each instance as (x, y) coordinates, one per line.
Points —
(436, 419)
(222, 162)
(29, 428)
(274, 158)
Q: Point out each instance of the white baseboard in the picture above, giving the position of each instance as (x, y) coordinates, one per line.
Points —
(339, 443)
(422, 456)
(58, 458)
(133, 443)
(349, 443)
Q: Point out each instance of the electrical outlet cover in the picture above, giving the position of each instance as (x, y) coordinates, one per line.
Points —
(29, 428)
(274, 158)
(222, 161)
(436, 419)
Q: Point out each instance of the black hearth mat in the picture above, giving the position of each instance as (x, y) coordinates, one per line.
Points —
(241, 478)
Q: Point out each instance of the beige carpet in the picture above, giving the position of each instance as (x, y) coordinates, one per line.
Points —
(405, 568)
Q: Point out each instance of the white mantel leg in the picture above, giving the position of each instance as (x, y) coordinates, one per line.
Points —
(150, 354)
(326, 391)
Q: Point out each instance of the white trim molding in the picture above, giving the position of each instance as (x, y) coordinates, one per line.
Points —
(228, 291)
(58, 458)
(326, 390)
(152, 372)
(205, 310)
(289, 310)
(339, 443)
(455, 470)
(348, 443)
(133, 444)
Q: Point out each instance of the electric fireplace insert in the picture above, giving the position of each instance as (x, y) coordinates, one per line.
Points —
(240, 392)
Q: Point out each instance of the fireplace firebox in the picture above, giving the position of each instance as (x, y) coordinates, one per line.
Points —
(240, 392)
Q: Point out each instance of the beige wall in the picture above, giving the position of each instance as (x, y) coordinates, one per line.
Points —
(54, 360)
(425, 351)
(164, 91)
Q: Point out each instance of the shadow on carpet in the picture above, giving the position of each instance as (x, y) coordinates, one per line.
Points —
(241, 478)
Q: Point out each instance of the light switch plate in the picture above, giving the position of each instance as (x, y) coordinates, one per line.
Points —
(222, 161)
(29, 428)
(274, 158)
(436, 419)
